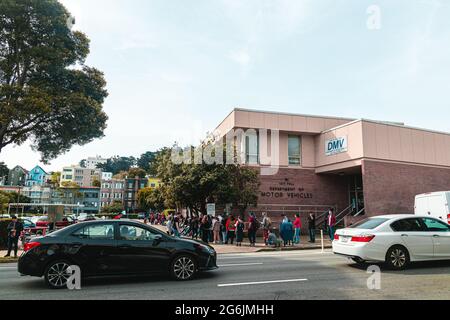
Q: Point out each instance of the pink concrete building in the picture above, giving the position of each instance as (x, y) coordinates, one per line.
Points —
(360, 167)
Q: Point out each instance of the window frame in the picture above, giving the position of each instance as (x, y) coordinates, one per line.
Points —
(114, 225)
(152, 231)
(436, 220)
(418, 219)
(299, 156)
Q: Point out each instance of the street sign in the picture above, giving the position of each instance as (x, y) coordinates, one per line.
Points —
(211, 209)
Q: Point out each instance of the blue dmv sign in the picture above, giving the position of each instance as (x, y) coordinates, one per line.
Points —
(336, 146)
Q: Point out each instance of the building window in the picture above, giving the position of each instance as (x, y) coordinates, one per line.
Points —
(251, 149)
(294, 150)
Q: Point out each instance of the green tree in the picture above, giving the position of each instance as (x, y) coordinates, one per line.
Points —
(115, 207)
(151, 198)
(43, 97)
(194, 185)
(117, 164)
(4, 171)
(146, 161)
(96, 183)
(4, 201)
(136, 173)
(11, 197)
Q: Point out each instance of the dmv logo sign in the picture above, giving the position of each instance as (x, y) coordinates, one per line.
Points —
(335, 146)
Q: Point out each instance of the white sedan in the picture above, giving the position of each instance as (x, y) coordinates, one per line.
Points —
(396, 240)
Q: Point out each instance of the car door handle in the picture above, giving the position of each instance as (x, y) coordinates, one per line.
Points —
(404, 235)
(124, 246)
(436, 236)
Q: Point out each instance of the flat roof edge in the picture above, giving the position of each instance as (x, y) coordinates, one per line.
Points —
(293, 114)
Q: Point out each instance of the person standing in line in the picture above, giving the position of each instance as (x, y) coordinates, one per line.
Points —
(267, 224)
(312, 227)
(297, 228)
(223, 228)
(231, 229)
(176, 224)
(287, 232)
(240, 226)
(194, 226)
(14, 229)
(216, 230)
(210, 228)
(253, 226)
(331, 222)
(169, 225)
(204, 228)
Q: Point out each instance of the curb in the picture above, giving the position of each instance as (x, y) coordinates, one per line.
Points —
(278, 250)
(8, 260)
(292, 249)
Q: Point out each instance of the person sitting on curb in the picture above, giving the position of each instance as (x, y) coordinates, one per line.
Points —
(272, 239)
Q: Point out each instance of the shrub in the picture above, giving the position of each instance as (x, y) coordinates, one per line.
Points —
(4, 233)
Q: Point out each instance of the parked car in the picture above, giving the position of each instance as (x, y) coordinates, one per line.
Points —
(113, 247)
(66, 221)
(433, 204)
(396, 240)
(87, 217)
(35, 219)
(30, 228)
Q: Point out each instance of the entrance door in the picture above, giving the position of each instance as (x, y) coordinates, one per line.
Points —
(356, 192)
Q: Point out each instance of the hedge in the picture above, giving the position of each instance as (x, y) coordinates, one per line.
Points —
(4, 233)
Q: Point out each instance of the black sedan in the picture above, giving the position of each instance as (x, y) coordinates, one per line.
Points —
(109, 248)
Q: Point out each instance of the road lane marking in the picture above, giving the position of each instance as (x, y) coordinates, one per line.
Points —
(260, 282)
(241, 264)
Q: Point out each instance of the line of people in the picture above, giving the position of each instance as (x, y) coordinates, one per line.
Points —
(228, 229)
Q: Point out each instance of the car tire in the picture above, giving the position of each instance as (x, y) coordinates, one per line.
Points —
(397, 258)
(55, 274)
(183, 268)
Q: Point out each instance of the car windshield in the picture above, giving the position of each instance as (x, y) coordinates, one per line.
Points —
(370, 223)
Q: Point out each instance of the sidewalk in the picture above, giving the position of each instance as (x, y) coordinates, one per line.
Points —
(260, 247)
(225, 249)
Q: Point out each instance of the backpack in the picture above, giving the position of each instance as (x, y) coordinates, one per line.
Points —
(257, 224)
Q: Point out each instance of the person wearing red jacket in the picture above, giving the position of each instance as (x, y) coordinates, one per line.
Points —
(331, 222)
(231, 229)
(297, 228)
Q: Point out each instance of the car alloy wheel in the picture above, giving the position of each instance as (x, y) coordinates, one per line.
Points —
(183, 268)
(398, 258)
(57, 274)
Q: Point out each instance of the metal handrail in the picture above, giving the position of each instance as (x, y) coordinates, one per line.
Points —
(340, 213)
(361, 211)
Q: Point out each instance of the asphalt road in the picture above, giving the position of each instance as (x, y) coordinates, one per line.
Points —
(272, 275)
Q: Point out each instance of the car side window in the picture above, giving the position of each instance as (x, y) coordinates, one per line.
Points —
(434, 225)
(96, 232)
(134, 233)
(407, 225)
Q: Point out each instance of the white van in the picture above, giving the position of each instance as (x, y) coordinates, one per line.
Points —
(434, 204)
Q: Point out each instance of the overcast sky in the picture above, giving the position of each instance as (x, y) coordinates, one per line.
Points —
(176, 68)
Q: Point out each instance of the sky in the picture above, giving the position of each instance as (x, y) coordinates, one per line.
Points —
(176, 68)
